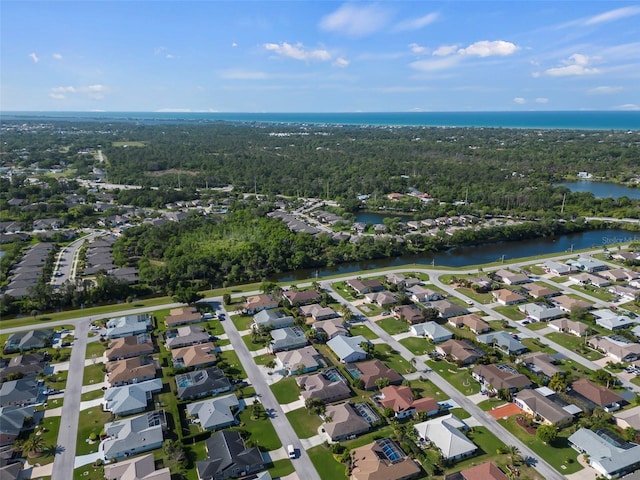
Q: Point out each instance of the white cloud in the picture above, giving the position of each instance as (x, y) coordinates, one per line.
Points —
(628, 106)
(68, 89)
(57, 56)
(57, 96)
(341, 62)
(34, 57)
(604, 90)
(95, 92)
(243, 75)
(435, 65)
(298, 52)
(519, 100)
(542, 100)
(444, 50)
(486, 48)
(612, 15)
(577, 64)
(234, 44)
(417, 23)
(356, 20)
(418, 49)
(163, 51)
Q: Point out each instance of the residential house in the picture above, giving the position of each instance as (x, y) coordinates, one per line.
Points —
(137, 468)
(196, 356)
(15, 419)
(258, 303)
(371, 371)
(612, 320)
(182, 316)
(625, 256)
(271, 319)
(28, 340)
(447, 309)
(130, 399)
(619, 275)
(186, 336)
(301, 360)
(541, 312)
(202, 383)
(498, 377)
(297, 297)
(564, 325)
(130, 436)
(472, 321)
(569, 304)
(382, 459)
(25, 365)
(331, 328)
(342, 421)
(288, 338)
(618, 349)
(129, 325)
(409, 313)
(318, 312)
(381, 299)
(431, 330)
(505, 296)
(542, 408)
(422, 294)
(628, 418)
(589, 279)
(608, 454)
(127, 347)
(537, 290)
(322, 387)
(588, 264)
(401, 400)
(511, 278)
(541, 363)
(597, 394)
(214, 413)
(131, 370)
(348, 349)
(503, 341)
(21, 392)
(365, 286)
(624, 292)
(401, 281)
(446, 434)
(228, 457)
(460, 350)
(484, 471)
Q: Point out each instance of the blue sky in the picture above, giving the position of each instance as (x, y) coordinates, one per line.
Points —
(321, 56)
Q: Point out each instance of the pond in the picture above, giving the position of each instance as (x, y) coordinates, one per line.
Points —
(602, 189)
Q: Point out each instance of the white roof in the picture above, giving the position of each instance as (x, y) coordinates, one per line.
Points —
(214, 411)
(444, 433)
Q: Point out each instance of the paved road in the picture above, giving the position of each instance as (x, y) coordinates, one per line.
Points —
(304, 467)
(68, 434)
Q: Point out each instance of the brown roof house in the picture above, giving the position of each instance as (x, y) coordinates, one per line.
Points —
(381, 298)
(484, 471)
(511, 278)
(475, 323)
(461, 351)
(343, 421)
(365, 286)
(296, 297)
(371, 371)
(447, 309)
(301, 360)
(382, 460)
(505, 296)
(567, 303)
(318, 312)
(332, 327)
(131, 370)
(601, 396)
(127, 347)
(565, 325)
(540, 291)
(400, 399)
(409, 313)
(322, 387)
(259, 302)
(496, 377)
(194, 356)
(541, 363)
(542, 408)
(182, 316)
(137, 468)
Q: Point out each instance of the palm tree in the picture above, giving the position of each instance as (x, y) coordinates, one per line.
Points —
(33, 445)
(346, 312)
(514, 453)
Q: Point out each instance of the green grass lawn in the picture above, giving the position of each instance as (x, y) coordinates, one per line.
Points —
(49, 427)
(393, 326)
(260, 343)
(91, 420)
(242, 322)
(392, 359)
(304, 423)
(260, 431)
(537, 326)
(235, 367)
(555, 453)
(362, 330)
(95, 348)
(595, 292)
(483, 298)
(263, 359)
(328, 468)
(386, 431)
(417, 345)
(427, 389)
(458, 377)
(286, 390)
(280, 468)
(491, 403)
(88, 472)
(344, 291)
(215, 328)
(85, 397)
(93, 374)
(575, 344)
(536, 345)
(511, 311)
(57, 381)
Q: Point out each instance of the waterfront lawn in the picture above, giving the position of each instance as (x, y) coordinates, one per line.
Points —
(393, 326)
(363, 330)
(555, 453)
(95, 348)
(304, 423)
(325, 464)
(93, 374)
(458, 377)
(260, 431)
(286, 390)
(242, 322)
(575, 344)
(392, 359)
(595, 292)
(91, 420)
(511, 311)
(417, 345)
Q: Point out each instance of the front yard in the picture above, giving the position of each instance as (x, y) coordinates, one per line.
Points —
(418, 345)
(286, 390)
(393, 359)
(393, 326)
(362, 330)
(93, 374)
(458, 377)
(91, 421)
(575, 344)
(305, 424)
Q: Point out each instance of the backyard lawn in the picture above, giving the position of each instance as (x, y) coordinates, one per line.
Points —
(392, 359)
(393, 326)
(286, 390)
(417, 345)
(305, 424)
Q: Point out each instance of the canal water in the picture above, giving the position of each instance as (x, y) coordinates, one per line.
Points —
(478, 254)
(602, 189)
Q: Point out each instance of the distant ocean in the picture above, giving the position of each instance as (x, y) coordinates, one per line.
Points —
(583, 120)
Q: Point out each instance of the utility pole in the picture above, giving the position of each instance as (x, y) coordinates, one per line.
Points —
(564, 198)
